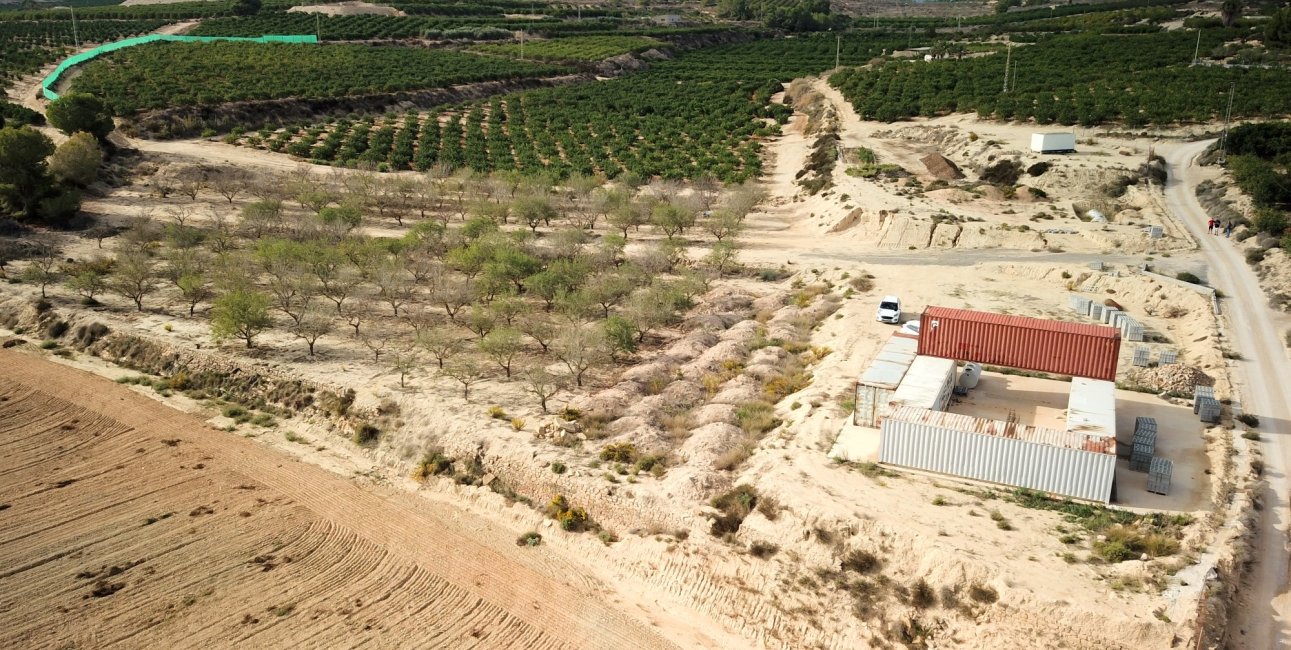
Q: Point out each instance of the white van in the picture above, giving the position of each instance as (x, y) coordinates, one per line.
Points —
(889, 310)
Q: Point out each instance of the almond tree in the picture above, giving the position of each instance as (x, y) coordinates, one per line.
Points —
(313, 325)
(581, 349)
(466, 371)
(542, 384)
(243, 313)
(502, 345)
(134, 276)
(442, 343)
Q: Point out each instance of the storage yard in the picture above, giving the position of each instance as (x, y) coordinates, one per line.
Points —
(1063, 438)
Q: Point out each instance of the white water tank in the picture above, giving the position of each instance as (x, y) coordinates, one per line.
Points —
(969, 377)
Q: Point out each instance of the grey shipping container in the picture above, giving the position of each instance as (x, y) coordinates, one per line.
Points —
(1062, 471)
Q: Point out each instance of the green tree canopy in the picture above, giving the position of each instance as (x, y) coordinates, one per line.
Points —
(80, 112)
(24, 174)
(77, 160)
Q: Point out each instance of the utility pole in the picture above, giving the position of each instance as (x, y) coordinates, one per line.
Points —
(1008, 59)
(522, 45)
(318, 26)
(1223, 141)
(75, 37)
(1197, 50)
(838, 49)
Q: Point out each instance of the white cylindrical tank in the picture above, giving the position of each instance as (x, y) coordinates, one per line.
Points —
(969, 378)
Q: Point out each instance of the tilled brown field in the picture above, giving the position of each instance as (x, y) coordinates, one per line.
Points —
(126, 523)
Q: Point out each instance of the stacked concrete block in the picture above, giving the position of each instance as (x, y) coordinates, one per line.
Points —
(1079, 304)
(1208, 410)
(1095, 311)
(1109, 313)
(1159, 473)
(1141, 356)
(1168, 357)
(1198, 393)
(1144, 443)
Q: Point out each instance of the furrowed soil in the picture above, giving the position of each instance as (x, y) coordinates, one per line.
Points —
(125, 523)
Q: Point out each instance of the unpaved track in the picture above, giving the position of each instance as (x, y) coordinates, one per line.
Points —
(1261, 620)
(124, 523)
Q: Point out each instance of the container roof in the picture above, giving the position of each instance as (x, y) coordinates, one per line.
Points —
(924, 382)
(1026, 322)
(1091, 408)
(986, 426)
(890, 365)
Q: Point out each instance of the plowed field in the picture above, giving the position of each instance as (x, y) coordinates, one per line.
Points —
(124, 523)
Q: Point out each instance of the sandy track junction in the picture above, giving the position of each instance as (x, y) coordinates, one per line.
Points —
(124, 523)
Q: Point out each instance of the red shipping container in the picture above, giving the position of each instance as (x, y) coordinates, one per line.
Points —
(1035, 344)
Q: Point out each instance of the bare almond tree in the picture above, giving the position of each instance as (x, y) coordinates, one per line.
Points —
(542, 384)
(230, 182)
(467, 372)
(581, 349)
(313, 325)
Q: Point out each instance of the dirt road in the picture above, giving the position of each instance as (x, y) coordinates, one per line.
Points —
(1261, 621)
(125, 523)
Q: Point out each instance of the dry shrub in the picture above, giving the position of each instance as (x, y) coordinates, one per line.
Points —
(734, 506)
(734, 457)
(787, 383)
(678, 425)
(656, 383)
(433, 463)
(756, 418)
(922, 595)
(1174, 311)
(862, 283)
(619, 452)
(763, 550)
(769, 506)
(860, 561)
(983, 593)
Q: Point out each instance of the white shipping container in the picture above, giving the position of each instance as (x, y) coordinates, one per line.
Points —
(933, 443)
(927, 385)
(876, 385)
(1053, 142)
(1091, 407)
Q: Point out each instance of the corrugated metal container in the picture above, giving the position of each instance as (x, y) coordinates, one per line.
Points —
(1019, 342)
(1051, 461)
(878, 382)
(1091, 407)
(927, 385)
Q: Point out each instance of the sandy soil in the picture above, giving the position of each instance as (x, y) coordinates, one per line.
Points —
(348, 9)
(212, 540)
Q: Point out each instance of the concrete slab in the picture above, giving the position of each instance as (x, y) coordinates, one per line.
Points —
(1178, 439)
(856, 444)
(1036, 402)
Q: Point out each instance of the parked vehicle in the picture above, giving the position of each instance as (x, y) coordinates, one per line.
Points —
(911, 328)
(889, 310)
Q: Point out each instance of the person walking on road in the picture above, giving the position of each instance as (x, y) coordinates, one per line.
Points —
(1210, 226)
(1228, 229)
